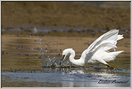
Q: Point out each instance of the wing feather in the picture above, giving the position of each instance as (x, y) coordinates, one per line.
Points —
(106, 41)
(109, 36)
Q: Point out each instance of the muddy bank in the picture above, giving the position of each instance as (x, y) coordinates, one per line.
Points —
(66, 14)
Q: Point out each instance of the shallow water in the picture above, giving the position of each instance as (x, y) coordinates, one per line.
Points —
(21, 61)
(66, 78)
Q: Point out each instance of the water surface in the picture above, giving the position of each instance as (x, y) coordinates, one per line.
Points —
(21, 62)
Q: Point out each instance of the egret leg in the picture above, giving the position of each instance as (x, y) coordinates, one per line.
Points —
(102, 61)
(110, 67)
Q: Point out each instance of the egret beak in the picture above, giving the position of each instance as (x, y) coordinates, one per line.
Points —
(63, 56)
(62, 59)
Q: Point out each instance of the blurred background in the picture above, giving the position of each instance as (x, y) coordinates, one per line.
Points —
(33, 32)
(66, 16)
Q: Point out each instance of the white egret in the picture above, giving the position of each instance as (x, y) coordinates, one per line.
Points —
(97, 52)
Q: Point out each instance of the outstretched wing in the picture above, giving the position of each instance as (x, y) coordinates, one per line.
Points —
(105, 46)
(110, 37)
(120, 37)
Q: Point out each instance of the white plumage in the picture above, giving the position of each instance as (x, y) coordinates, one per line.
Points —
(97, 52)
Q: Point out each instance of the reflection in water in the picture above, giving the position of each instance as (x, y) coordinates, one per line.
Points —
(67, 77)
(83, 78)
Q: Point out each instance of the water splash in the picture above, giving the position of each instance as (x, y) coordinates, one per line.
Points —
(48, 62)
(46, 59)
(43, 58)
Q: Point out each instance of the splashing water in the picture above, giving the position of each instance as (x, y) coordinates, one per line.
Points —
(47, 62)
(43, 58)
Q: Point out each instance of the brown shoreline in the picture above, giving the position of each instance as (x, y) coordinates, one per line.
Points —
(62, 14)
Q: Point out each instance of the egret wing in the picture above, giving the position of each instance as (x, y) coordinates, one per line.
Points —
(105, 46)
(111, 36)
(120, 37)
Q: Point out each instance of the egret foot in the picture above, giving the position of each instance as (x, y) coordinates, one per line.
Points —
(110, 67)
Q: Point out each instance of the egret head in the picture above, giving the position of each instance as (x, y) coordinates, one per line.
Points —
(65, 53)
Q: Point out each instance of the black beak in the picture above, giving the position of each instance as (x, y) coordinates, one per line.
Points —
(63, 56)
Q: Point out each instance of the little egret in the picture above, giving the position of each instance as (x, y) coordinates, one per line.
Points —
(97, 52)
